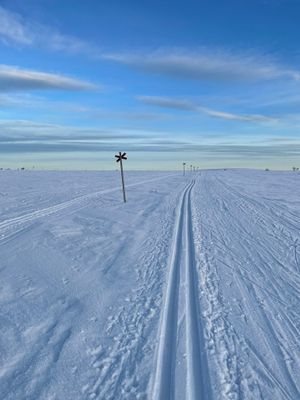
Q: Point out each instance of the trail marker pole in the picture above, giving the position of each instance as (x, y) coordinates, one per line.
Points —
(184, 168)
(119, 157)
(191, 168)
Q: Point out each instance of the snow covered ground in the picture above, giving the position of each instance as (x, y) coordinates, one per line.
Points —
(191, 290)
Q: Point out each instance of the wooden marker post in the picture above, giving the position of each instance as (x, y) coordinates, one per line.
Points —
(119, 157)
(184, 168)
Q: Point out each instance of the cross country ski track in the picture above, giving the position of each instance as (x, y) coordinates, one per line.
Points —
(11, 227)
(181, 267)
(188, 292)
(263, 278)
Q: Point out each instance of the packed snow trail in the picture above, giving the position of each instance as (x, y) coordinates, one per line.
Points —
(102, 264)
(246, 244)
(9, 228)
(198, 384)
(189, 291)
(181, 266)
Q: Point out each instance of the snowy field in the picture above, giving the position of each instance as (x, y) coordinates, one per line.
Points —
(191, 290)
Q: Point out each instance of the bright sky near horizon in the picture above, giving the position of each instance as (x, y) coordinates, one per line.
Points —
(212, 83)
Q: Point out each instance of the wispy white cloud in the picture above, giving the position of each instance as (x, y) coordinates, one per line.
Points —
(185, 105)
(208, 65)
(237, 117)
(216, 65)
(22, 137)
(26, 129)
(14, 78)
(221, 65)
(15, 29)
(168, 102)
(28, 101)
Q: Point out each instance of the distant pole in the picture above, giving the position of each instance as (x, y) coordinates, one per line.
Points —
(123, 183)
(122, 156)
(184, 168)
(191, 168)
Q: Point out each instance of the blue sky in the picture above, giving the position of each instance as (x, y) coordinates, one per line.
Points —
(212, 83)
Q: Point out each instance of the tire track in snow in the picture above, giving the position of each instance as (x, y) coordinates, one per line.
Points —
(182, 256)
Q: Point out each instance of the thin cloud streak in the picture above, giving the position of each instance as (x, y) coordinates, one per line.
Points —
(14, 78)
(24, 130)
(26, 137)
(184, 105)
(29, 101)
(152, 146)
(14, 29)
(214, 65)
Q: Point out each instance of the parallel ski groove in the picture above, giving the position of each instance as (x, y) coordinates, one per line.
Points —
(163, 385)
(182, 256)
(34, 215)
(197, 374)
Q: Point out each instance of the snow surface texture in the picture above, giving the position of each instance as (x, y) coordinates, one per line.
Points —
(191, 290)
